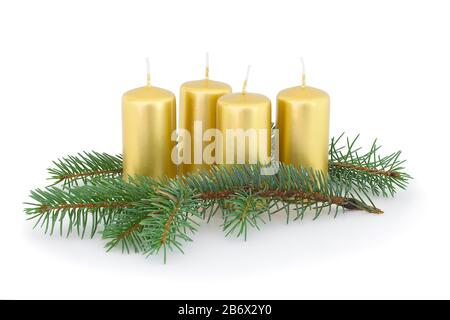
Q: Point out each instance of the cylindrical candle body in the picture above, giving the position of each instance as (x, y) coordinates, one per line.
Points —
(244, 121)
(148, 120)
(198, 101)
(303, 122)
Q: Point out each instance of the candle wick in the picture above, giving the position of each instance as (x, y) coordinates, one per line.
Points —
(244, 87)
(303, 73)
(147, 60)
(207, 66)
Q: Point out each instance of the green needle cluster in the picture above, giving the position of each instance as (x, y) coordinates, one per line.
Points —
(149, 216)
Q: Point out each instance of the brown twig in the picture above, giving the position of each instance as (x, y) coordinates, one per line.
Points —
(347, 203)
(89, 173)
(113, 205)
(379, 172)
(135, 227)
(126, 233)
(168, 224)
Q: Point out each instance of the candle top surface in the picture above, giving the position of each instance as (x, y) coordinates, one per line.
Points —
(205, 85)
(148, 93)
(243, 98)
(302, 92)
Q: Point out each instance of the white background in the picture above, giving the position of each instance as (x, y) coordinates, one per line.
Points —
(65, 64)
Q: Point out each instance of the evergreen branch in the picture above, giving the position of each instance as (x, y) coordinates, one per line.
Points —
(289, 196)
(94, 204)
(370, 172)
(246, 194)
(167, 217)
(146, 215)
(243, 209)
(136, 227)
(125, 230)
(84, 167)
(367, 170)
(172, 214)
(159, 220)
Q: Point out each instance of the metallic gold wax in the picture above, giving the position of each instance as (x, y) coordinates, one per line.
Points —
(303, 115)
(198, 101)
(240, 112)
(148, 120)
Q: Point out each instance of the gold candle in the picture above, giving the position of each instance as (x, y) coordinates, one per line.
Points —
(303, 115)
(198, 101)
(244, 123)
(148, 120)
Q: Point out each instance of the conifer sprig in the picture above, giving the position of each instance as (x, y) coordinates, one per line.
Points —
(371, 172)
(149, 216)
(82, 206)
(82, 168)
